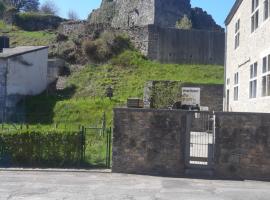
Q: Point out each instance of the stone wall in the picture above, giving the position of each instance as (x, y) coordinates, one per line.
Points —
(156, 96)
(186, 46)
(167, 13)
(73, 27)
(242, 145)
(148, 142)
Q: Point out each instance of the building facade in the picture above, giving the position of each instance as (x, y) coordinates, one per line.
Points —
(247, 62)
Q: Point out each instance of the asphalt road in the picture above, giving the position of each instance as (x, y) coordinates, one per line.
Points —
(36, 185)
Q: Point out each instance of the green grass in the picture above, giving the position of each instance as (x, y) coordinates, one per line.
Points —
(127, 74)
(19, 37)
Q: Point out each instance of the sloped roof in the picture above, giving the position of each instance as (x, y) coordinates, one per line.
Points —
(11, 52)
(233, 11)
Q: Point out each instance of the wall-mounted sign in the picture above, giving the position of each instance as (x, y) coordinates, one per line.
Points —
(191, 96)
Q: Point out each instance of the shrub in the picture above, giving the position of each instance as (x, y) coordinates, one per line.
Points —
(128, 58)
(40, 148)
(184, 23)
(36, 21)
(106, 46)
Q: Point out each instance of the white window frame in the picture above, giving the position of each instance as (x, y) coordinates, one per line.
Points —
(266, 76)
(237, 34)
(255, 15)
(253, 81)
(236, 87)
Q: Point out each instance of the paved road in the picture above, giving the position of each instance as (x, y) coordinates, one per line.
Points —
(105, 186)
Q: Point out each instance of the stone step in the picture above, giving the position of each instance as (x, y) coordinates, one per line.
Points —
(199, 173)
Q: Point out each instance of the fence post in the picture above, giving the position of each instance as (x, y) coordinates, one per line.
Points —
(108, 152)
(110, 147)
(82, 132)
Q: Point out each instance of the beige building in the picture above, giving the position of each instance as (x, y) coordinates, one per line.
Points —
(247, 65)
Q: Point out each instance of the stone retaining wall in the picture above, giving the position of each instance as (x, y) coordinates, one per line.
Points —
(170, 45)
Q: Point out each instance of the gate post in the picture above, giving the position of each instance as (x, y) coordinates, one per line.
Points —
(187, 140)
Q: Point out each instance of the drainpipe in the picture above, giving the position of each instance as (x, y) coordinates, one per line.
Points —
(225, 72)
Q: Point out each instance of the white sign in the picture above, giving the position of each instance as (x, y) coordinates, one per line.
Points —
(191, 96)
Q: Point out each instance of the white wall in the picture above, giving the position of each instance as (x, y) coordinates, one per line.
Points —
(253, 47)
(27, 74)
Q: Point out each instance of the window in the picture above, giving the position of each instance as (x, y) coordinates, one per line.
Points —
(253, 70)
(236, 86)
(266, 76)
(253, 81)
(236, 78)
(237, 34)
(254, 15)
(255, 5)
(255, 21)
(266, 9)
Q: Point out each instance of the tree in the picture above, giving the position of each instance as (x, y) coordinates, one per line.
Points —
(184, 23)
(2, 9)
(72, 15)
(30, 5)
(23, 5)
(49, 7)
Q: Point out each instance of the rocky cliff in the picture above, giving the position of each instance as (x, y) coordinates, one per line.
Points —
(163, 13)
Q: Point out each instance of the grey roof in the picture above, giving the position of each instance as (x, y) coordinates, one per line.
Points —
(233, 11)
(11, 52)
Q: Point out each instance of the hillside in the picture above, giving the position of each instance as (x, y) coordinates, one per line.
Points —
(83, 100)
(20, 37)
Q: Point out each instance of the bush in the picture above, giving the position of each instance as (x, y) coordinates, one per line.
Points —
(40, 148)
(36, 21)
(184, 23)
(128, 59)
(106, 46)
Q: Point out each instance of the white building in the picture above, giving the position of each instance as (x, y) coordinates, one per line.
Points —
(247, 67)
(23, 71)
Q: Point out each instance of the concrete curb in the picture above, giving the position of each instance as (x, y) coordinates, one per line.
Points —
(55, 170)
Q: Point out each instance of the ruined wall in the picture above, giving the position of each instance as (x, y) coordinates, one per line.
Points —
(148, 142)
(72, 27)
(186, 46)
(134, 13)
(242, 145)
(203, 21)
(167, 13)
(123, 13)
(105, 14)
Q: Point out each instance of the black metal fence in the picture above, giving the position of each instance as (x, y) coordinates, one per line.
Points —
(55, 146)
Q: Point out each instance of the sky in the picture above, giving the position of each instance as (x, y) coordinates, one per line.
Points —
(219, 9)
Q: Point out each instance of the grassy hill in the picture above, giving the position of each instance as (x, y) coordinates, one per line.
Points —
(20, 37)
(83, 100)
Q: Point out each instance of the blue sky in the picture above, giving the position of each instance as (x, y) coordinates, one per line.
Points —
(217, 8)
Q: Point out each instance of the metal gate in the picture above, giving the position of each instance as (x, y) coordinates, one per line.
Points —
(200, 140)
